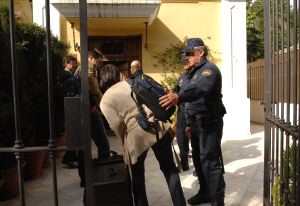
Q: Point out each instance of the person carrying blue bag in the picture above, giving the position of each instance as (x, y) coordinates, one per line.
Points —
(120, 110)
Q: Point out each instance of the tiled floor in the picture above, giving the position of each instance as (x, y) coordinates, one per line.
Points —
(243, 158)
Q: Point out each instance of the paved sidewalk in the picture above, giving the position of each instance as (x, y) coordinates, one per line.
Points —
(243, 158)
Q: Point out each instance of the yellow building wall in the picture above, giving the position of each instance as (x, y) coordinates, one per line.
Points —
(174, 22)
(22, 8)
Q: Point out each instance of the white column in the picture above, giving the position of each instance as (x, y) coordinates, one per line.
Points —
(234, 69)
(39, 16)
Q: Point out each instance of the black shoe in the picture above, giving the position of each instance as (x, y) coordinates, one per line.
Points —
(199, 198)
(71, 165)
(218, 202)
(195, 173)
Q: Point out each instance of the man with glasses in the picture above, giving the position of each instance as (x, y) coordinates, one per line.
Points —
(204, 112)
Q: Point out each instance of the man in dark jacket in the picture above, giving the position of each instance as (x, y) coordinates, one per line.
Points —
(204, 118)
(70, 86)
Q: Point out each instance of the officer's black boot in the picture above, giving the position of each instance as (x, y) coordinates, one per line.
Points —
(198, 199)
(218, 202)
(184, 162)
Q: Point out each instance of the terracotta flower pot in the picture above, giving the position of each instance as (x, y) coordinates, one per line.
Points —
(46, 162)
(34, 164)
(61, 140)
(10, 183)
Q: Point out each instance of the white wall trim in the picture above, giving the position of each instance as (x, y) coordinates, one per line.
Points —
(234, 68)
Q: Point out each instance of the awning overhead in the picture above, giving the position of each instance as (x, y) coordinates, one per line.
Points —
(110, 8)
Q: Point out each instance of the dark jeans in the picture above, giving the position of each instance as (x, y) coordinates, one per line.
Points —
(207, 156)
(99, 136)
(163, 153)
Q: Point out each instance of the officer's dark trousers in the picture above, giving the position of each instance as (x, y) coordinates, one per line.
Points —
(207, 156)
(163, 153)
(182, 140)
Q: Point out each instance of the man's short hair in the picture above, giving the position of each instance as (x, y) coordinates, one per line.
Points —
(95, 54)
(68, 59)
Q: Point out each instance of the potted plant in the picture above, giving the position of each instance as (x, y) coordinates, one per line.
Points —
(34, 90)
(32, 82)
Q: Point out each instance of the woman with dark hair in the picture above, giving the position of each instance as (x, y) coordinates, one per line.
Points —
(120, 110)
(109, 75)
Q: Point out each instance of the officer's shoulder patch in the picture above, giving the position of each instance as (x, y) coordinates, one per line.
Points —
(206, 72)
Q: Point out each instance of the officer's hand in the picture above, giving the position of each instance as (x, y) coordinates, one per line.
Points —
(169, 100)
(188, 132)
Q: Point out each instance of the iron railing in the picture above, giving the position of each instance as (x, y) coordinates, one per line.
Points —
(282, 100)
(19, 149)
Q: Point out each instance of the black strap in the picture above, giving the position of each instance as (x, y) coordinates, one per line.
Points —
(155, 124)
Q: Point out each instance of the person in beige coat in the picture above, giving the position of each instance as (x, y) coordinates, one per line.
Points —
(120, 111)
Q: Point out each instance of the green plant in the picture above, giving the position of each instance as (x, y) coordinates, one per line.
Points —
(275, 191)
(290, 156)
(32, 81)
(169, 60)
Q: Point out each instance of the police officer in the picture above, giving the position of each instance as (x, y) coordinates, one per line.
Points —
(204, 115)
(182, 140)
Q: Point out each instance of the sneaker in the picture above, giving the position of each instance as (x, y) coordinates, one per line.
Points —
(218, 202)
(199, 198)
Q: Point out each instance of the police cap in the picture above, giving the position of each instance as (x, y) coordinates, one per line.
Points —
(191, 43)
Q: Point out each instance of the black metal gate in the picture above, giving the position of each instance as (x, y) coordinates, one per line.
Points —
(282, 149)
(52, 147)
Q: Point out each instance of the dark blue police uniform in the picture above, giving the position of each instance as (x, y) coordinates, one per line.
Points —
(182, 140)
(204, 114)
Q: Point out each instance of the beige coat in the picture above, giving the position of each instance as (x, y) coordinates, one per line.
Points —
(120, 110)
